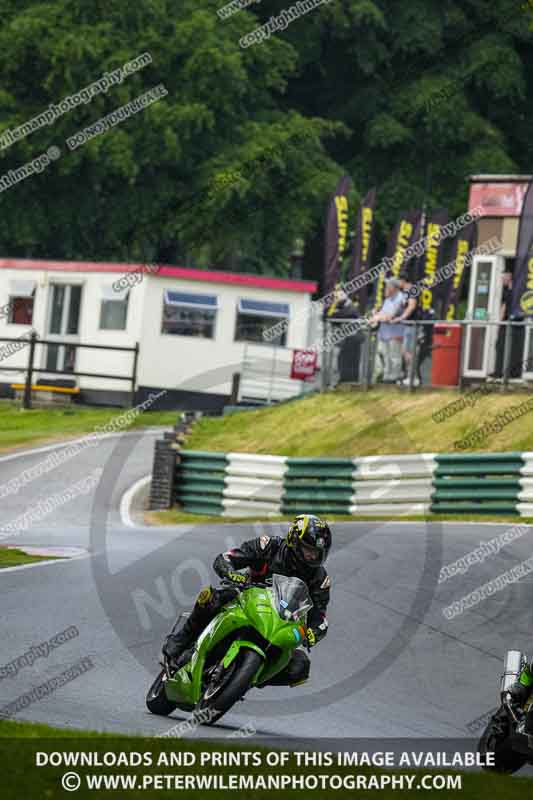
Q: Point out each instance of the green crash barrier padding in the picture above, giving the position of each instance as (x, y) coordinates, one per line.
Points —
(461, 483)
(212, 475)
(216, 487)
(477, 483)
(305, 485)
(316, 490)
(206, 466)
(447, 458)
(199, 499)
(475, 495)
(487, 468)
(318, 495)
(201, 477)
(318, 462)
(294, 473)
(203, 464)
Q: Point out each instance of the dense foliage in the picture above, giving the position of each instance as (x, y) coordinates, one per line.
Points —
(240, 156)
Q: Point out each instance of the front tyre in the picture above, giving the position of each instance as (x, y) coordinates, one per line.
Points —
(156, 699)
(232, 684)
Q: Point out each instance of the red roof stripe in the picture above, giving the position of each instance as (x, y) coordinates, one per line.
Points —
(210, 276)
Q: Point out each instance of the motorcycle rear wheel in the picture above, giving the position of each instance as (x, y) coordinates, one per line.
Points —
(495, 739)
(209, 711)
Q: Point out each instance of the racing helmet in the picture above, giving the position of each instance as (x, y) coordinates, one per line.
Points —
(309, 538)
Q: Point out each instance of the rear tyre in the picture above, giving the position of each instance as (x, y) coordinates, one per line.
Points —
(495, 739)
(156, 699)
(233, 685)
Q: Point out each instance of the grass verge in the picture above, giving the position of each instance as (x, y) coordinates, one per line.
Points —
(22, 778)
(358, 424)
(174, 516)
(36, 426)
(10, 557)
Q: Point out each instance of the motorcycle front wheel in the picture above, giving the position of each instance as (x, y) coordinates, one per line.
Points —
(156, 699)
(232, 685)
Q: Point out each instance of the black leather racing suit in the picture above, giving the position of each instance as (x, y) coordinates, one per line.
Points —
(263, 557)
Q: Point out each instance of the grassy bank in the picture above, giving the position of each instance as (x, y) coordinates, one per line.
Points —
(22, 778)
(358, 424)
(36, 426)
(13, 558)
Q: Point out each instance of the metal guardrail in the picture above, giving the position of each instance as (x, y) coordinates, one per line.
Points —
(34, 340)
(478, 483)
(421, 351)
(241, 484)
(266, 375)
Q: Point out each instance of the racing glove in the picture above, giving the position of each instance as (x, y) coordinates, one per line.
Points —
(310, 636)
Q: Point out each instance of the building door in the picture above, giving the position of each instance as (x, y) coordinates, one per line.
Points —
(63, 325)
(483, 306)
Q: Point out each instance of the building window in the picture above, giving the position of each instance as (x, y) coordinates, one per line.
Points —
(114, 309)
(187, 314)
(254, 317)
(21, 299)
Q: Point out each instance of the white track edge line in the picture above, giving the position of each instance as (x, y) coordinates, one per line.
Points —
(127, 499)
(42, 563)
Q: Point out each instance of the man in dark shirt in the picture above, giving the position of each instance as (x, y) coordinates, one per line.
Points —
(300, 554)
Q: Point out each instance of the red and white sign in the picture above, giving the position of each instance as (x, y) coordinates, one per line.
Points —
(498, 199)
(304, 364)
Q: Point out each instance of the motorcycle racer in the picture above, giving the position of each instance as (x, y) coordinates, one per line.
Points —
(300, 554)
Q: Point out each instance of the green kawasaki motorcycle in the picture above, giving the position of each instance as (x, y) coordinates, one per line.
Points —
(249, 642)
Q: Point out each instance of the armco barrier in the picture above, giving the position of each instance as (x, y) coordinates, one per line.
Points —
(241, 484)
(318, 485)
(477, 483)
(200, 481)
(254, 484)
(525, 495)
(393, 484)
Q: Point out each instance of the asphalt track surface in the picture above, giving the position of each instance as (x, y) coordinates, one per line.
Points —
(391, 666)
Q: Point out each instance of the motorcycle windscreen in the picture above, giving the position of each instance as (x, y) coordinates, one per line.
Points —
(290, 596)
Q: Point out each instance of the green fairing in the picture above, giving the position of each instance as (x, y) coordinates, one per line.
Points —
(253, 608)
(526, 677)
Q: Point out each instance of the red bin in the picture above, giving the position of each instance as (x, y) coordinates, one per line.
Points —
(446, 362)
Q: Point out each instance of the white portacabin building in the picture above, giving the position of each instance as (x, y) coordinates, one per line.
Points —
(195, 329)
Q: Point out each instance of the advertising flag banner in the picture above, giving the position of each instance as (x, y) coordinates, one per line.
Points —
(463, 244)
(431, 260)
(402, 237)
(362, 246)
(336, 234)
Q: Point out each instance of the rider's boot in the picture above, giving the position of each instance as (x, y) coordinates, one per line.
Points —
(179, 643)
(178, 647)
